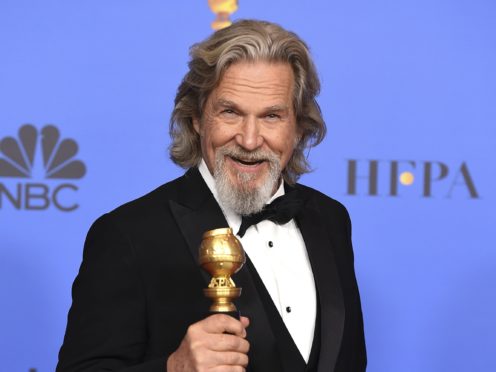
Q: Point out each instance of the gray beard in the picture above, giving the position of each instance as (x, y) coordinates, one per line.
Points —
(240, 198)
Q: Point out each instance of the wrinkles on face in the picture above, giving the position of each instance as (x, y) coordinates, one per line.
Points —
(250, 114)
(252, 92)
(243, 87)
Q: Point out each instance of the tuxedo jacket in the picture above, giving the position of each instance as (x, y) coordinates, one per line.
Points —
(139, 286)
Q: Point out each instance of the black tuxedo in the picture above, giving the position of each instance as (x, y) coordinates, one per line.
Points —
(139, 286)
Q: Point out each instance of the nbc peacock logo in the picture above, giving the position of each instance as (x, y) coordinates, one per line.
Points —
(21, 161)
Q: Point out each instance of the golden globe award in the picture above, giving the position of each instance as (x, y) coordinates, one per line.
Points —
(222, 9)
(221, 255)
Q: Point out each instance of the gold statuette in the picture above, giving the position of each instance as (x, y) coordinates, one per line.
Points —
(223, 9)
(221, 255)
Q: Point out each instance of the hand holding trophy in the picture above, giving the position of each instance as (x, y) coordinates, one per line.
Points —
(221, 255)
(204, 344)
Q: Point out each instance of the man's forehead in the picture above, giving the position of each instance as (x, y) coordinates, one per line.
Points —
(259, 72)
(269, 84)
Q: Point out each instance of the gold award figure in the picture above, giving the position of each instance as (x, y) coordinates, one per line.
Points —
(221, 255)
(223, 9)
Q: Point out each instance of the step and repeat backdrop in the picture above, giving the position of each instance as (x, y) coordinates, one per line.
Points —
(409, 97)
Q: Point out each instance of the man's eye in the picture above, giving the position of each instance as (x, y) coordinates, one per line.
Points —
(273, 116)
(228, 112)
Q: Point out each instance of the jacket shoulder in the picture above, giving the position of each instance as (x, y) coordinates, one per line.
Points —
(324, 203)
(146, 208)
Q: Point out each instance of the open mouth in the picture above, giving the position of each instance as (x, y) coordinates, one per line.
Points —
(247, 162)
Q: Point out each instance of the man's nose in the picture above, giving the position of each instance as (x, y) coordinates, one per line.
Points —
(249, 136)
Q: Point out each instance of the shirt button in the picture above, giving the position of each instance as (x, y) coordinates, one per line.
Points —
(288, 309)
(271, 244)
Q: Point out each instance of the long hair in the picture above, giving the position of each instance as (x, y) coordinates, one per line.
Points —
(246, 40)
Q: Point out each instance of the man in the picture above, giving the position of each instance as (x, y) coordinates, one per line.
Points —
(243, 117)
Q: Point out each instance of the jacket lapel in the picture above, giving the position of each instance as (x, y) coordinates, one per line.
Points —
(327, 282)
(197, 211)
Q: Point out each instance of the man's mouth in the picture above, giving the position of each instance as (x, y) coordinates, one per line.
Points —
(247, 162)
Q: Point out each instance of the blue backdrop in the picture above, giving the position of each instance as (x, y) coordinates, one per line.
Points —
(409, 92)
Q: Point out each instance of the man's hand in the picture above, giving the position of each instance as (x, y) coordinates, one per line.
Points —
(216, 343)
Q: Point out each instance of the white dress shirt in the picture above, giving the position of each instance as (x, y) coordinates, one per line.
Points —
(279, 255)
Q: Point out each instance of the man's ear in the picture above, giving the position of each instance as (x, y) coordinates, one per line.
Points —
(196, 125)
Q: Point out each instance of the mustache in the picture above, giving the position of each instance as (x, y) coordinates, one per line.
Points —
(245, 155)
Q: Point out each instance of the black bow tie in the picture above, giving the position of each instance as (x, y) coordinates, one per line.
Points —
(280, 211)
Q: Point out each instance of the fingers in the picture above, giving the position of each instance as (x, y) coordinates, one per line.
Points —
(228, 369)
(230, 359)
(211, 361)
(220, 323)
(226, 342)
(216, 343)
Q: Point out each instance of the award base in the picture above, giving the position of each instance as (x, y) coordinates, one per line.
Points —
(222, 300)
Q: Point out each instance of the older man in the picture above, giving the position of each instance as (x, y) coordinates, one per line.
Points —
(244, 115)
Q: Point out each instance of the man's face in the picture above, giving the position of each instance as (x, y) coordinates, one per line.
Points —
(248, 127)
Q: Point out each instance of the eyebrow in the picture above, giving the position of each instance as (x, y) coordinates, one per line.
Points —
(225, 103)
(277, 108)
(230, 104)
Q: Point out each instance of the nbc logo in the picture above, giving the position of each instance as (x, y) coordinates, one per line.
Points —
(18, 160)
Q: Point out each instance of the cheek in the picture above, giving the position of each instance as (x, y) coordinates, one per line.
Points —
(213, 137)
(218, 134)
(288, 151)
(287, 143)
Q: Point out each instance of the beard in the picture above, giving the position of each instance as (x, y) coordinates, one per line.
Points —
(241, 196)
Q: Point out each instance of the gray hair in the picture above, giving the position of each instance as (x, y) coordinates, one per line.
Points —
(246, 40)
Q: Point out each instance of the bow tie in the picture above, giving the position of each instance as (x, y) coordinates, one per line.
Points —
(280, 211)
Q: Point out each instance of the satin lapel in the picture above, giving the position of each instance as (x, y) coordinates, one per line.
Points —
(193, 223)
(197, 211)
(264, 354)
(320, 252)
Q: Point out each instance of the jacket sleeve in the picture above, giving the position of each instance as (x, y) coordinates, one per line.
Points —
(107, 325)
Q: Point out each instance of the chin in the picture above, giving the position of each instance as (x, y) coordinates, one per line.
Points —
(245, 189)
(247, 180)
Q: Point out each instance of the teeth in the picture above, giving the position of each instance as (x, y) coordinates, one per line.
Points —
(245, 162)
